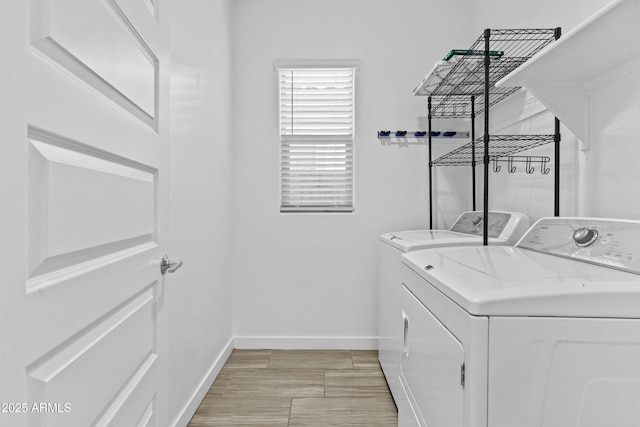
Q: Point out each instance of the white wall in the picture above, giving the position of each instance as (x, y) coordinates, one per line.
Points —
(611, 162)
(312, 275)
(198, 296)
(531, 14)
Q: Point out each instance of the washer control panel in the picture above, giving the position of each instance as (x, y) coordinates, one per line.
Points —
(607, 242)
(473, 223)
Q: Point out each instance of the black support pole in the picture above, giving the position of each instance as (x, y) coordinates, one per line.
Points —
(556, 140)
(556, 183)
(487, 63)
(473, 152)
(430, 168)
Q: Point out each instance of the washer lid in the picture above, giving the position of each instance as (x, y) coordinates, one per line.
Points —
(504, 228)
(420, 239)
(510, 281)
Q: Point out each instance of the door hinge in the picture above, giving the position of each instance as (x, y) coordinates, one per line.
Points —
(462, 375)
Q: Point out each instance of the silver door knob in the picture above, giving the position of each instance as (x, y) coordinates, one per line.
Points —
(166, 265)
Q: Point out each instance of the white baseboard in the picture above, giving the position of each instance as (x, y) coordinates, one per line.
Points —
(194, 401)
(307, 343)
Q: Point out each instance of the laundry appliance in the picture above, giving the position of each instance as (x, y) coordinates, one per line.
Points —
(545, 333)
(504, 228)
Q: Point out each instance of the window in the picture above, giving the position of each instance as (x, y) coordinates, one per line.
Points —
(316, 139)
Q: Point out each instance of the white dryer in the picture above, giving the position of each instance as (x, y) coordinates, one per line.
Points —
(542, 334)
(505, 228)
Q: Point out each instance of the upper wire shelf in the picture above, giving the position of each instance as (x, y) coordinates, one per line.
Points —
(451, 83)
(499, 146)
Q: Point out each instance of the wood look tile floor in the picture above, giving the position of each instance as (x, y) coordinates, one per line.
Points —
(298, 388)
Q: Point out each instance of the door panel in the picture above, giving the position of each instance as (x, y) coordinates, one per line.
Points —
(94, 360)
(64, 177)
(72, 302)
(85, 151)
(98, 42)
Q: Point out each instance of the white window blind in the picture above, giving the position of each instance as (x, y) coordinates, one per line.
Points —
(316, 135)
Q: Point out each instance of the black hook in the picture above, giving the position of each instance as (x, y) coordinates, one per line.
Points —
(510, 166)
(496, 166)
(543, 165)
(528, 168)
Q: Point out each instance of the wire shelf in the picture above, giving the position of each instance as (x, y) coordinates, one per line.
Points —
(499, 146)
(459, 106)
(451, 83)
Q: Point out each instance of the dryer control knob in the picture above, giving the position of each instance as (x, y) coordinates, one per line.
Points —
(476, 221)
(585, 236)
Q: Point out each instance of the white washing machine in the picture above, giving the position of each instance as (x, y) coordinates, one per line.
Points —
(542, 334)
(505, 228)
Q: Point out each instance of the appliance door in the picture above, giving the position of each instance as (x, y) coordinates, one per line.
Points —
(407, 416)
(432, 365)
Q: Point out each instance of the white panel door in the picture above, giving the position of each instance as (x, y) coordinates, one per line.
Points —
(83, 212)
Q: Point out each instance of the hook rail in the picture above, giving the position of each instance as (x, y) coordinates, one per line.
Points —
(530, 164)
(421, 134)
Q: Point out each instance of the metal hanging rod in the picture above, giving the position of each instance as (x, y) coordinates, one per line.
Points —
(500, 146)
(421, 134)
(531, 162)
